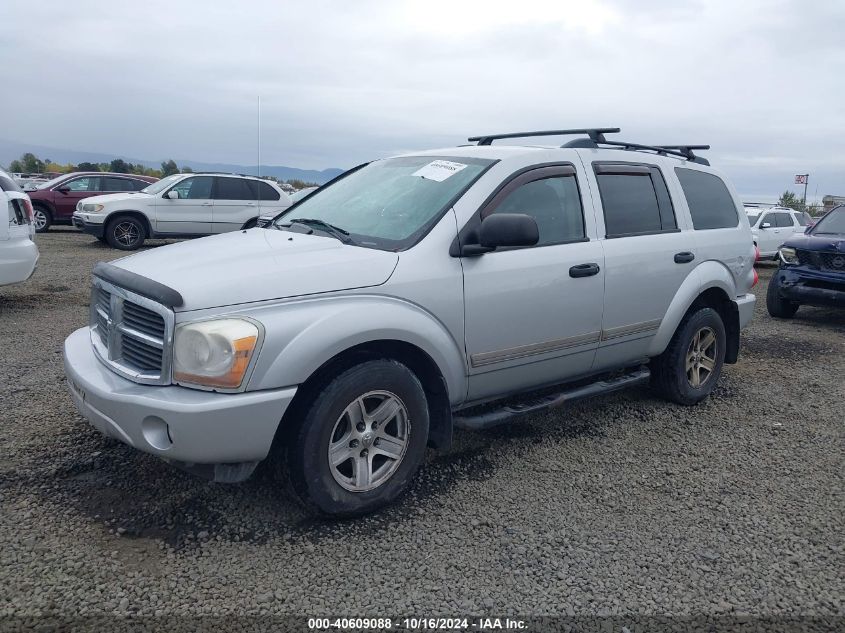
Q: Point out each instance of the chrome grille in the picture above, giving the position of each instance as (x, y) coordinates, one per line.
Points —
(130, 333)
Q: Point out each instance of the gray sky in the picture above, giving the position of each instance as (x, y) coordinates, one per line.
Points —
(343, 82)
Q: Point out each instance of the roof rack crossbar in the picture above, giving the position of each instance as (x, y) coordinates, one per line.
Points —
(687, 150)
(596, 134)
(682, 151)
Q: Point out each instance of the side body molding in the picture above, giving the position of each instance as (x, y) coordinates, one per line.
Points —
(709, 274)
(307, 334)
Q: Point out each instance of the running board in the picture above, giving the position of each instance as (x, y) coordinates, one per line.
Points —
(506, 413)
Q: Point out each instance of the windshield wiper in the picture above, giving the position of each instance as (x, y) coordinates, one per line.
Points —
(331, 229)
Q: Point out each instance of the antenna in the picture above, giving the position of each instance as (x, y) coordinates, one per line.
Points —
(258, 185)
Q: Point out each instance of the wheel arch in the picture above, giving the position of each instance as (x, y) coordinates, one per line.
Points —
(710, 285)
(138, 215)
(414, 358)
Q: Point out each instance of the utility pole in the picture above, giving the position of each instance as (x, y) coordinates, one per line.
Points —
(259, 138)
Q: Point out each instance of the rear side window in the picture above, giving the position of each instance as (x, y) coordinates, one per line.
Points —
(801, 219)
(137, 185)
(635, 199)
(784, 220)
(233, 189)
(710, 202)
(7, 184)
(116, 184)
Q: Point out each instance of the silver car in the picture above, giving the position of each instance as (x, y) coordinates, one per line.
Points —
(376, 315)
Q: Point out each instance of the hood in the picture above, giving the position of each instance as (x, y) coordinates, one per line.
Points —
(115, 197)
(259, 265)
(829, 243)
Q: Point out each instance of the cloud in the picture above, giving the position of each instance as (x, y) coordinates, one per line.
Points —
(344, 82)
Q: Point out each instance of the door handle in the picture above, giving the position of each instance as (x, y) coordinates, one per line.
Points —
(584, 270)
(206, 204)
(684, 258)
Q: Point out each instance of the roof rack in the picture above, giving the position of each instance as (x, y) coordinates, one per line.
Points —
(596, 134)
(595, 137)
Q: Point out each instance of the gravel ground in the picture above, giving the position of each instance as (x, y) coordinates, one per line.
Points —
(620, 505)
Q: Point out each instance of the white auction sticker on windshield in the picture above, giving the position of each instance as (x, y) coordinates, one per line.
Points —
(439, 170)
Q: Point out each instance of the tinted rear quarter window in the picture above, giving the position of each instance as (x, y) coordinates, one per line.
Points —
(233, 189)
(710, 202)
(262, 191)
(801, 218)
(635, 200)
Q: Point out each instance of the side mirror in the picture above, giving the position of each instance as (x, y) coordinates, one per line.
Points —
(766, 225)
(173, 194)
(63, 189)
(503, 230)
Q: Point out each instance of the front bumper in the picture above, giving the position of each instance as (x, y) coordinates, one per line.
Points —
(97, 230)
(18, 259)
(182, 425)
(811, 287)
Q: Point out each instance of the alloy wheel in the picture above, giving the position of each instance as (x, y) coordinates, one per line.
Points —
(368, 441)
(701, 357)
(126, 233)
(39, 218)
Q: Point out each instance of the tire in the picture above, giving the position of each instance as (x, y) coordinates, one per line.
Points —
(125, 233)
(42, 219)
(677, 372)
(345, 489)
(778, 307)
(102, 239)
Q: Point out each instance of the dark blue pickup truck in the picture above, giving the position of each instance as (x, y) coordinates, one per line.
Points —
(812, 268)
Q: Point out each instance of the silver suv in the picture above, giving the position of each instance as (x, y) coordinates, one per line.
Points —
(460, 287)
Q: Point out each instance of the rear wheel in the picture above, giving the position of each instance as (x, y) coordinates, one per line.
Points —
(687, 372)
(778, 307)
(361, 441)
(125, 233)
(42, 219)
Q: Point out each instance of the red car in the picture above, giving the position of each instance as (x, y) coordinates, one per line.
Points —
(55, 201)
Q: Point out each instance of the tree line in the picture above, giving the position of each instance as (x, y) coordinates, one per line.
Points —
(793, 201)
(29, 163)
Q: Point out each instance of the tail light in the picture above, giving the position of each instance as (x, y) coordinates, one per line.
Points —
(30, 212)
(756, 278)
(756, 256)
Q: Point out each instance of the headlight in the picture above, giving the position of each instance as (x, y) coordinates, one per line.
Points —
(92, 208)
(788, 255)
(214, 353)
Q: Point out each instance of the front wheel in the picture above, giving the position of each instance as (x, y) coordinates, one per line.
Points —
(125, 233)
(778, 307)
(687, 372)
(361, 441)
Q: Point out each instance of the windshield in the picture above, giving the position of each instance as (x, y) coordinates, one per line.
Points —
(389, 204)
(53, 182)
(831, 224)
(752, 218)
(162, 184)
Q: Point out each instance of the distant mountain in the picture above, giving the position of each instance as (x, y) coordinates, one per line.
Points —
(10, 150)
